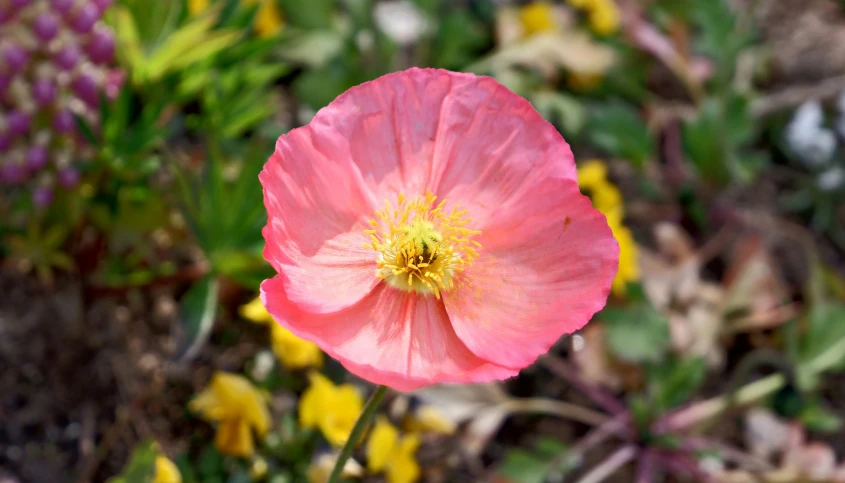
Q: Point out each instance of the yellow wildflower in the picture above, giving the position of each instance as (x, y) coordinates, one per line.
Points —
(268, 18)
(238, 408)
(592, 177)
(196, 7)
(330, 408)
(427, 419)
(604, 17)
(292, 351)
(537, 17)
(166, 471)
(256, 312)
(387, 453)
(629, 269)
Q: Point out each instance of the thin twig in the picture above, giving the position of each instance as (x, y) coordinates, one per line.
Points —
(616, 460)
(601, 397)
(557, 408)
(796, 95)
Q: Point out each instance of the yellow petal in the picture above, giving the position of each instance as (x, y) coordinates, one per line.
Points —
(604, 17)
(537, 17)
(629, 270)
(166, 471)
(196, 7)
(383, 440)
(403, 467)
(427, 419)
(233, 397)
(256, 312)
(592, 173)
(294, 352)
(268, 19)
(318, 396)
(234, 438)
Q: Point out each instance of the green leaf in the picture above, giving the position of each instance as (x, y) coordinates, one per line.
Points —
(197, 311)
(825, 334)
(636, 334)
(674, 382)
(141, 466)
(547, 458)
(313, 14)
(817, 418)
(618, 129)
(459, 39)
(560, 109)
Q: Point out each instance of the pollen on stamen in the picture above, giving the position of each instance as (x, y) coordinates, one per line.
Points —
(421, 246)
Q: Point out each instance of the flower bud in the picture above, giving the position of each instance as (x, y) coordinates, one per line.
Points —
(85, 18)
(85, 87)
(17, 122)
(44, 91)
(15, 57)
(46, 26)
(63, 122)
(101, 46)
(67, 57)
(36, 158)
(42, 196)
(68, 178)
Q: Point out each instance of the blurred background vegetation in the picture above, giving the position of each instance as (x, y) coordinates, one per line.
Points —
(710, 132)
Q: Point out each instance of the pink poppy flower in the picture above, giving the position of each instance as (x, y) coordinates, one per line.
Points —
(427, 227)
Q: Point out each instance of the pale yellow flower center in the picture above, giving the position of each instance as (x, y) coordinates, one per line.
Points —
(421, 246)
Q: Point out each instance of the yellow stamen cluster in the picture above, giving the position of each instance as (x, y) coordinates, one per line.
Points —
(421, 246)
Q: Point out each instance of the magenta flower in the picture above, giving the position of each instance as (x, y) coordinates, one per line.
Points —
(427, 227)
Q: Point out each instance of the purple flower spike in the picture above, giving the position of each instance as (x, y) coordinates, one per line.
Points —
(37, 157)
(46, 26)
(101, 46)
(62, 6)
(5, 80)
(5, 141)
(85, 87)
(68, 178)
(17, 122)
(14, 173)
(44, 91)
(67, 57)
(85, 18)
(6, 14)
(42, 196)
(102, 4)
(16, 57)
(64, 122)
(18, 4)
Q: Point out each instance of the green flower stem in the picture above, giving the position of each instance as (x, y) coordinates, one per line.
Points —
(357, 431)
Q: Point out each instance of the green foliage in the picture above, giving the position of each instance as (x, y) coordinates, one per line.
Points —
(198, 307)
(675, 381)
(619, 130)
(717, 140)
(155, 44)
(549, 457)
(141, 467)
(636, 334)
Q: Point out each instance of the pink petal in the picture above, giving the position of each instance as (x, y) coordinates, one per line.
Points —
(391, 337)
(317, 208)
(545, 268)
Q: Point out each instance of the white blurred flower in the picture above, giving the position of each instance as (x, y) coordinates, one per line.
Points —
(401, 20)
(812, 143)
(264, 362)
(832, 179)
